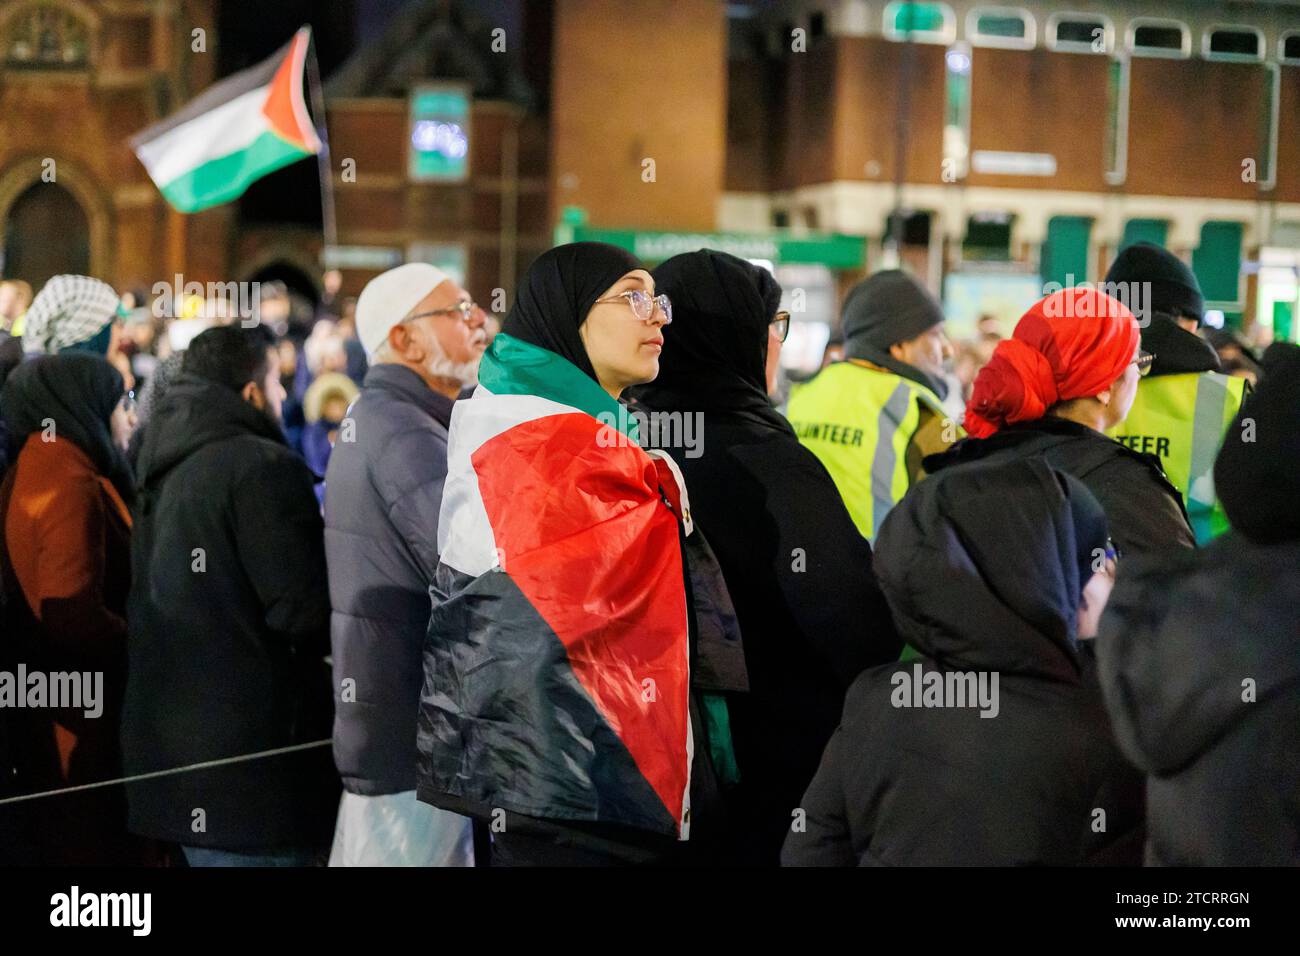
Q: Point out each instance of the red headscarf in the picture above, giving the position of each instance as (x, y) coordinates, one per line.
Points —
(1072, 344)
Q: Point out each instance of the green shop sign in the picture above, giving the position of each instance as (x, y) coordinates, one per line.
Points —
(834, 251)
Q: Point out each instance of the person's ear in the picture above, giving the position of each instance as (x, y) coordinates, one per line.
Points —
(1104, 397)
(253, 395)
(896, 350)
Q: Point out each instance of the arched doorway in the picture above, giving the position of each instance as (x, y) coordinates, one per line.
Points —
(46, 232)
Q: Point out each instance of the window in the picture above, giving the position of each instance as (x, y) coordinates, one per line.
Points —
(1065, 252)
(1007, 27)
(1080, 33)
(988, 237)
(1234, 44)
(1288, 48)
(1144, 230)
(921, 22)
(1148, 36)
(48, 37)
(1217, 263)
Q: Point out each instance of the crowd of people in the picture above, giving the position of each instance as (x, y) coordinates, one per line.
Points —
(388, 582)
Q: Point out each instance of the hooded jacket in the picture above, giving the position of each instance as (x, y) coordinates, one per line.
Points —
(1145, 512)
(1204, 693)
(1200, 659)
(983, 568)
(797, 569)
(229, 628)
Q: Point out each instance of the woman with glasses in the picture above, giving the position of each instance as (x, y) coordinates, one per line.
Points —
(65, 570)
(798, 571)
(558, 703)
(1068, 373)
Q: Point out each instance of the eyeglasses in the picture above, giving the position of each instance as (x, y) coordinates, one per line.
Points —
(643, 304)
(1143, 362)
(462, 310)
(781, 325)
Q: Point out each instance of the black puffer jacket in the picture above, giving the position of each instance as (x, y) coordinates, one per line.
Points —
(1144, 511)
(382, 495)
(227, 643)
(982, 569)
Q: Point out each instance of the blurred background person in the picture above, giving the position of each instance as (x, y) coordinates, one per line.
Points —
(1236, 357)
(871, 418)
(324, 406)
(1184, 403)
(1200, 657)
(383, 494)
(1068, 373)
(999, 572)
(15, 299)
(229, 619)
(800, 575)
(65, 564)
(71, 313)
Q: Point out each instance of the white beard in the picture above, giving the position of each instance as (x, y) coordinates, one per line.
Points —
(440, 366)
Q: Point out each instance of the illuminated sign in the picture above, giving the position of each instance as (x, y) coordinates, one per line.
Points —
(439, 134)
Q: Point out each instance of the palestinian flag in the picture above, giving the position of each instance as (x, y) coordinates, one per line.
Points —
(557, 661)
(236, 132)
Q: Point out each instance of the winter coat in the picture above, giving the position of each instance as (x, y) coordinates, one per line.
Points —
(980, 566)
(1145, 512)
(812, 616)
(383, 492)
(229, 617)
(65, 564)
(1200, 664)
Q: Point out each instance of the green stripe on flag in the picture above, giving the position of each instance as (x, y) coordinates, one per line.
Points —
(512, 366)
(224, 179)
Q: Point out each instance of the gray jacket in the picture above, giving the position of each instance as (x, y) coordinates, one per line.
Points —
(383, 491)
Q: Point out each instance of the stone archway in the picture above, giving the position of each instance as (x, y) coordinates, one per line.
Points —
(46, 232)
(29, 192)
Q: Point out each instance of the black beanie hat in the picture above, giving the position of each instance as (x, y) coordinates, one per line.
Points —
(1174, 289)
(1257, 481)
(888, 308)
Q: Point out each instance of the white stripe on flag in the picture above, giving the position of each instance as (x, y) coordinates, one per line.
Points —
(227, 129)
(465, 538)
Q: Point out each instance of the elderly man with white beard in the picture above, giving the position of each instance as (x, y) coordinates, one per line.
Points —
(383, 491)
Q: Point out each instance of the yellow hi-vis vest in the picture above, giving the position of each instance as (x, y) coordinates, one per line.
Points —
(1182, 419)
(859, 421)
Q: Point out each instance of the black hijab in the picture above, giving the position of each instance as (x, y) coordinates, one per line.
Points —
(78, 392)
(715, 351)
(559, 290)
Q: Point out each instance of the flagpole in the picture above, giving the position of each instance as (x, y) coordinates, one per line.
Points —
(326, 168)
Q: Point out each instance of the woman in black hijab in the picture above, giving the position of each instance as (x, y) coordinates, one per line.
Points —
(575, 606)
(811, 615)
(65, 558)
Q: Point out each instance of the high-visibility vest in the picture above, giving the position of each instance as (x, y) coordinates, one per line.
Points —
(1182, 419)
(859, 421)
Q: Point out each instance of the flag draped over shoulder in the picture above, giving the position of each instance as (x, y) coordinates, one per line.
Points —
(557, 658)
(234, 133)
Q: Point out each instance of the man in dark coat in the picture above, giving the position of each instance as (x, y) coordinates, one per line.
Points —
(1200, 657)
(811, 615)
(229, 619)
(383, 492)
(992, 746)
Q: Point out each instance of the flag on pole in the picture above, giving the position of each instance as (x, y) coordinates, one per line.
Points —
(236, 132)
